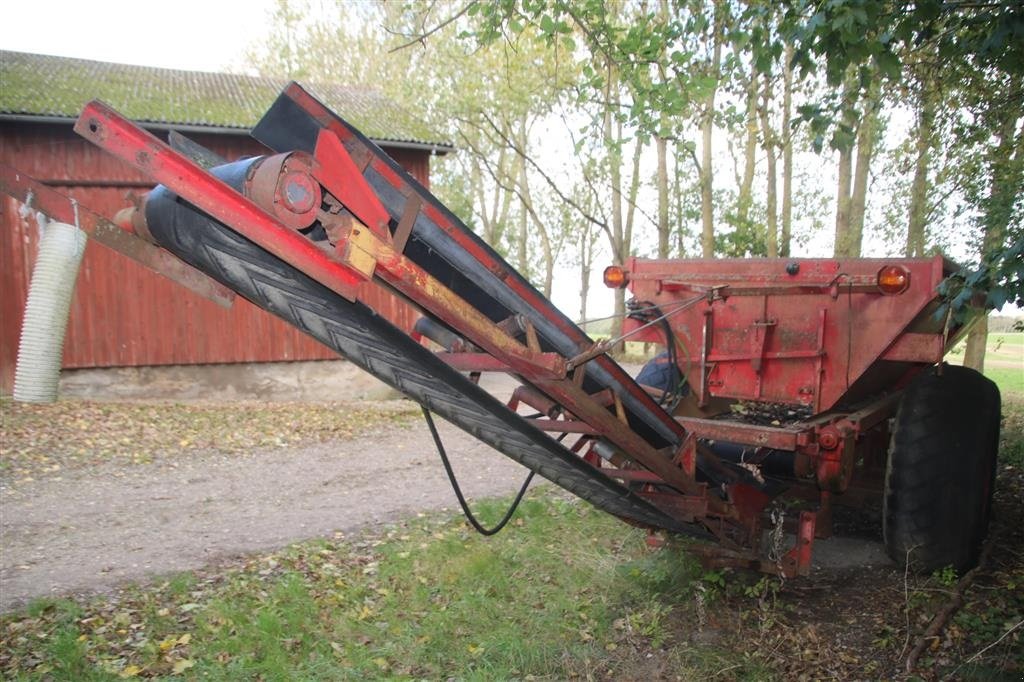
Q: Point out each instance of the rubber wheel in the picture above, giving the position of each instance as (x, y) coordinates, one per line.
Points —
(941, 469)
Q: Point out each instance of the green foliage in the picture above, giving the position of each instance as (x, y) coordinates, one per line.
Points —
(659, 57)
(946, 576)
(997, 281)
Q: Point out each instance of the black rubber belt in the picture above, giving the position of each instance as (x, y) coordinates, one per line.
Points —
(371, 342)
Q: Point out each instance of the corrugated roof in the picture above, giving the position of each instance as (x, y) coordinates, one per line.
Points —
(49, 86)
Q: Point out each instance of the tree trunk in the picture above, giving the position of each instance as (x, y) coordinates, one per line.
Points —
(745, 197)
(661, 144)
(586, 260)
(476, 182)
(522, 259)
(614, 151)
(787, 155)
(677, 191)
(918, 214)
(977, 340)
(771, 224)
(842, 245)
(1006, 183)
(634, 190)
(844, 174)
(865, 148)
(707, 196)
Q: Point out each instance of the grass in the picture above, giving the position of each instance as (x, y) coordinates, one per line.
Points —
(566, 592)
(1004, 361)
(569, 592)
(1010, 380)
(1011, 447)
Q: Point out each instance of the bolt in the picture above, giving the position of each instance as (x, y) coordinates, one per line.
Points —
(828, 440)
(297, 192)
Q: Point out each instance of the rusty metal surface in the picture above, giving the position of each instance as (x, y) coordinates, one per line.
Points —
(112, 132)
(440, 238)
(743, 434)
(678, 477)
(340, 175)
(57, 206)
(284, 187)
(799, 331)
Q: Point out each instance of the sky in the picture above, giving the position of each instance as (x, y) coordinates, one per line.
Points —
(185, 34)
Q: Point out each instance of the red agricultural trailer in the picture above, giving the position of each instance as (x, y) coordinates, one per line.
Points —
(787, 387)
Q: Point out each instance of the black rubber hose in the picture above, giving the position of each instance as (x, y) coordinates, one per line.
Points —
(458, 491)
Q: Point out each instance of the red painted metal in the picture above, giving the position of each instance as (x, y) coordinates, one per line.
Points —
(423, 289)
(798, 560)
(37, 196)
(752, 340)
(447, 222)
(112, 132)
(340, 175)
(566, 426)
(747, 336)
(919, 348)
(534, 399)
(283, 184)
(475, 362)
(777, 438)
(546, 371)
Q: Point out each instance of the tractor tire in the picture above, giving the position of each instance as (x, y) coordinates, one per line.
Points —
(941, 470)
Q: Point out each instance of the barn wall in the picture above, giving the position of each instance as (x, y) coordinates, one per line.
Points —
(122, 314)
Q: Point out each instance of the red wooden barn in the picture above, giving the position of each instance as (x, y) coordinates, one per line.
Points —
(123, 315)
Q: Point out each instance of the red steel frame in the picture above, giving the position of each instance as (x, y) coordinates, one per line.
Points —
(108, 130)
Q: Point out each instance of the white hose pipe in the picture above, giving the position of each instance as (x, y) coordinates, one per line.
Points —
(46, 313)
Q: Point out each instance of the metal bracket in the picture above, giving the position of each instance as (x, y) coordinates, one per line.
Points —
(340, 176)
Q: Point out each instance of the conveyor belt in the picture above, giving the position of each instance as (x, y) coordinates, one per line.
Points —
(372, 343)
(442, 245)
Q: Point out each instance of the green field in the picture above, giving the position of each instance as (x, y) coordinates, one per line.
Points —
(1004, 361)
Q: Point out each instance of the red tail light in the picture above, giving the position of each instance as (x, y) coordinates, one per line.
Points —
(893, 279)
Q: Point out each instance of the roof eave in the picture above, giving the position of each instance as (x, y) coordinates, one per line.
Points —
(433, 148)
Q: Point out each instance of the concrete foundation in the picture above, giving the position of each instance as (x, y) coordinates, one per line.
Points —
(276, 381)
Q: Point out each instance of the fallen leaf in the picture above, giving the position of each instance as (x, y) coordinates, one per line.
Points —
(183, 665)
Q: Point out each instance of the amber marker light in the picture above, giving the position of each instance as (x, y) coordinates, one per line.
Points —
(615, 277)
(893, 279)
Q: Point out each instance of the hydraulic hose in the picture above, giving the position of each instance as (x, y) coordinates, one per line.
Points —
(41, 347)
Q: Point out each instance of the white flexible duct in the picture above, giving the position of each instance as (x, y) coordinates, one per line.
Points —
(46, 313)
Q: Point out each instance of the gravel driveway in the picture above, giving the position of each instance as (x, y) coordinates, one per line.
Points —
(92, 529)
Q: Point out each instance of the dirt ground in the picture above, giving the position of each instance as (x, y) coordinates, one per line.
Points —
(89, 530)
(95, 528)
